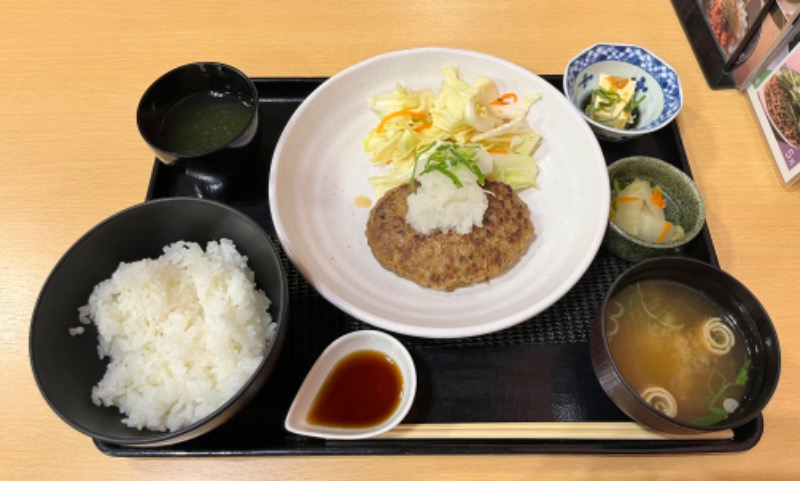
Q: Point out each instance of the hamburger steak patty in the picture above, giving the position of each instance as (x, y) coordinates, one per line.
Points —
(448, 261)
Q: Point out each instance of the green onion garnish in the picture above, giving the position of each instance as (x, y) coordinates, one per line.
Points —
(446, 157)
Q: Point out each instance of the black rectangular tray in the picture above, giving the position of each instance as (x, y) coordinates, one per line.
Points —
(537, 371)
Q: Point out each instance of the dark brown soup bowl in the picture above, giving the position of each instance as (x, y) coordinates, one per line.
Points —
(739, 306)
(66, 367)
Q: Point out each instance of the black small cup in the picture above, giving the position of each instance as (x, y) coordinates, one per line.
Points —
(208, 166)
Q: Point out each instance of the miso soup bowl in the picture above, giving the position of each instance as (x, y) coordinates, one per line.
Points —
(738, 304)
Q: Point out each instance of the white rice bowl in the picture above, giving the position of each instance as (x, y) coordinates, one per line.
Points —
(183, 333)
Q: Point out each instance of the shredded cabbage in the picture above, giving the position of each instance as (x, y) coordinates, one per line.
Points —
(411, 120)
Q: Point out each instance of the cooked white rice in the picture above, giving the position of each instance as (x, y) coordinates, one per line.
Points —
(75, 331)
(183, 333)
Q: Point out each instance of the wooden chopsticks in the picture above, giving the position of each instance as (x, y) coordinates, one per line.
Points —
(565, 430)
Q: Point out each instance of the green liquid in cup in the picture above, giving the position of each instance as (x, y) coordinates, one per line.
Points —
(203, 123)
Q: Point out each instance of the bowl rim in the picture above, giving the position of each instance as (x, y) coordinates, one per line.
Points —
(190, 431)
(653, 417)
(689, 235)
(622, 132)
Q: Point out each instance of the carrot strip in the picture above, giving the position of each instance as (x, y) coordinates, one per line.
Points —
(626, 199)
(502, 99)
(399, 113)
(663, 235)
(497, 151)
(426, 126)
(658, 198)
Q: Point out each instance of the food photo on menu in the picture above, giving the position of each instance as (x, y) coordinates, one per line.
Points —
(747, 35)
(729, 21)
(775, 97)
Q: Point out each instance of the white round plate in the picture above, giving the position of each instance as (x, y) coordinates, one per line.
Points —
(319, 168)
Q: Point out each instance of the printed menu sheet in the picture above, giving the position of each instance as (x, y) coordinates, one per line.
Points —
(775, 96)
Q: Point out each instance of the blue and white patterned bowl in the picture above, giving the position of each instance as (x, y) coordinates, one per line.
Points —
(655, 79)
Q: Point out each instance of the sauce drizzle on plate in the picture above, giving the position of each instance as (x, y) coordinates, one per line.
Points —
(362, 201)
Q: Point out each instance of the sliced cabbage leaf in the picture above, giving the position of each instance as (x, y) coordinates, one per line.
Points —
(516, 109)
(401, 98)
(388, 181)
(516, 170)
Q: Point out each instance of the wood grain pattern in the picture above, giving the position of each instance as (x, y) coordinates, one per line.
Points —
(584, 430)
(71, 155)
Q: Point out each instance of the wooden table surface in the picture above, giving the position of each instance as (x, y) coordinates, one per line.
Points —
(71, 155)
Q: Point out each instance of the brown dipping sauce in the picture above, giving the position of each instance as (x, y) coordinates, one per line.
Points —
(364, 389)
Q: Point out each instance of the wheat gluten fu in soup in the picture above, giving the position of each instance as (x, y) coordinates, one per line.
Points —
(679, 350)
(183, 333)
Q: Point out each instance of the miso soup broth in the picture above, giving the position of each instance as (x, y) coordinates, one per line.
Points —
(677, 349)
